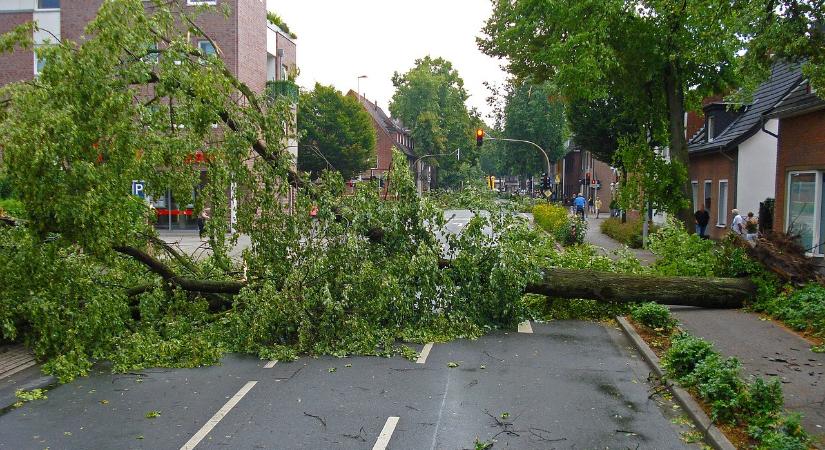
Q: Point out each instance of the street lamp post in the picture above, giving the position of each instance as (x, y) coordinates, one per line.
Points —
(359, 86)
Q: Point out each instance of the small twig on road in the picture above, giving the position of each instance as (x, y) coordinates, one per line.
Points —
(358, 436)
(627, 432)
(493, 357)
(320, 419)
(535, 432)
(290, 377)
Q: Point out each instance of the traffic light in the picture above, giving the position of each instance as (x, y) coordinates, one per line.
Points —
(545, 182)
(479, 137)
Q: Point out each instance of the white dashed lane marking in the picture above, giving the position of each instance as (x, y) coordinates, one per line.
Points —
(425, 352)
(525, 327)
(211, 423)
(386, 434)
(270, 364)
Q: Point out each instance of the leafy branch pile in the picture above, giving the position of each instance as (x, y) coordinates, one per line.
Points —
(85, 277)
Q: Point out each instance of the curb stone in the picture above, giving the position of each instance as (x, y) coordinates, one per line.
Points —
(712, 434)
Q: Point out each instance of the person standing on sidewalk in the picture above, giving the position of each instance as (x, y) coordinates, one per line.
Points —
(598, 204)
(702, 218)
(738, 224)
(202, 218)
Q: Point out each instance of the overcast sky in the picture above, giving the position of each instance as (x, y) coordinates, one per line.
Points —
(338, 40)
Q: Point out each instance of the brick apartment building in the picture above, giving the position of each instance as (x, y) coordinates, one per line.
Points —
(392, 133)
(256, 51)
(577, 168)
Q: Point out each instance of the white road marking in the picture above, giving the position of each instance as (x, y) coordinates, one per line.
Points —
(211, 423)
(425, 352)
(270, 364)
(386, 434)
(525, 327)
(441, 409)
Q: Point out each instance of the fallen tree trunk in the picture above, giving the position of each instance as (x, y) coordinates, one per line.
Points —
(616, 287)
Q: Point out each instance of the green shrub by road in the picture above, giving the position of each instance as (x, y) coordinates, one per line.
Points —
(628, 233)
(556, 220)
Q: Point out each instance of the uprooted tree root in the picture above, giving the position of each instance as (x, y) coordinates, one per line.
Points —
(782, 254)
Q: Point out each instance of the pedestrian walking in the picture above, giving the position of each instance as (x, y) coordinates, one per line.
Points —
(580, 204)
(738, 224)
(202, 218)
(702, 218)
(598, 205)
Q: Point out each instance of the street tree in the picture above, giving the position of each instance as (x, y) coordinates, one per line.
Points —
(532, 113)
(671, 53)
(336, 133)
(430, 99)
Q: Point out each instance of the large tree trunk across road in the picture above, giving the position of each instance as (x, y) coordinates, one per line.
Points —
(621, 288)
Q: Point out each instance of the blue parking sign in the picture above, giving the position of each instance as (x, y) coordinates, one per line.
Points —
(138, 188)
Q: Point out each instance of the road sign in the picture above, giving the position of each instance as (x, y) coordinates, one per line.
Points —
(139, 188)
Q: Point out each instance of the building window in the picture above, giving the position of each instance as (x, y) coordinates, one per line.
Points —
(201, 2)
(710, 129)
(284, 72)
(708, 194)
(48, 4)
(694, 185)
(722, 218)
(206, 47)
(804, 211)
(39, 64)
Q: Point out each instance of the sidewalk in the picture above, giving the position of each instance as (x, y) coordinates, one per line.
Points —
(18, 370)
(595, 237)
(765, 348)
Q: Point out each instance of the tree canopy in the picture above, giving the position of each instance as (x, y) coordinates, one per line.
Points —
(657, 53)
(533, 114)
(336, 133)
(430, 99)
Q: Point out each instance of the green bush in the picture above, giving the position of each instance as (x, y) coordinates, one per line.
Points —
(11, 207)
(654, 316)
(802, 309)
(684, 354)
(628, 233)
(695, 364)
(682, 254)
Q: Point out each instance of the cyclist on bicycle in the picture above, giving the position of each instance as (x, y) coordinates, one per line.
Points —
(580, 203)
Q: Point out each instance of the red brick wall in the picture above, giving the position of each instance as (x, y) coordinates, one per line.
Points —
(251, 36)
(801, 147)
(714, 167)
(290, 57)
(75, 15)
(18, 65)
(223, 30)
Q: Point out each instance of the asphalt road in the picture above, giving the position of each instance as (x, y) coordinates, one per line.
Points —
(565, 385)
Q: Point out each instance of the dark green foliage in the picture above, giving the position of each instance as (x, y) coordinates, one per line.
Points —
(718, 383)
(556, 220)
(654, 316)
(684, 354)
(337, 133)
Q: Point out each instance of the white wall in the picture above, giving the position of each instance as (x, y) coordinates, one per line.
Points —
(47, 20)
(756, 171)
(17, 5)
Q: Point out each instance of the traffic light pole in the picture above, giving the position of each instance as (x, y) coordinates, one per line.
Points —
(546, 159)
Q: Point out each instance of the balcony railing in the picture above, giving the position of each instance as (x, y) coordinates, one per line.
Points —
(282, 88)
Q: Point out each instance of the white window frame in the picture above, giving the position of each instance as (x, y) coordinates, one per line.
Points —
(816, 238)
(711, 126)
(36, 59)
(201, 2)
(694, 185)
(722, 208)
